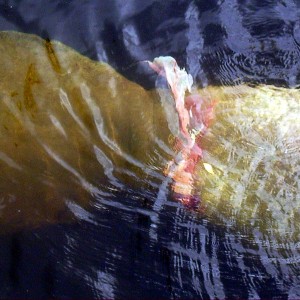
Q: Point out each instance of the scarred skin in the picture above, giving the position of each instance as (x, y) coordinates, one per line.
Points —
(194, 118)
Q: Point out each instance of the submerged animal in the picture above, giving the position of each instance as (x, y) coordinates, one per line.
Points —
(253, 151)
(74, 131)
(71, 130)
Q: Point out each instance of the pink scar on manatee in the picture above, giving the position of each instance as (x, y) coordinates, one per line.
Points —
(194, 116)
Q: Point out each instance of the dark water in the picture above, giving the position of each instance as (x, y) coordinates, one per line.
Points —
(126, 237)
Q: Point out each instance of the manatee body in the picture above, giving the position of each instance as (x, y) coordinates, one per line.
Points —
(73, 130)
(253, 148)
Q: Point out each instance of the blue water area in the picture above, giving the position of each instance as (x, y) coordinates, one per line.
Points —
(143, 244)
(219, 42)
(117, 256)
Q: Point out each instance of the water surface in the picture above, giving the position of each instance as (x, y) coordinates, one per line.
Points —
(86, 210)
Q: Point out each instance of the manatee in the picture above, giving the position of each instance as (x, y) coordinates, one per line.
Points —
(74, 131)
(71, 129)
(253, 152)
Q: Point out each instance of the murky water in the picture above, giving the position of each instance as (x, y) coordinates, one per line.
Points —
(86, 209)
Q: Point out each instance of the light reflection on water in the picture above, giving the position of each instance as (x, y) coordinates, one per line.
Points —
(84, 146)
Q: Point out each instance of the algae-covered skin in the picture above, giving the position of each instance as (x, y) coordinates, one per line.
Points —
(74, 130)
(253, 152)
(71, 129)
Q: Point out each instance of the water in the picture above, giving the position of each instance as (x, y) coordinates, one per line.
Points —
(86, 208)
